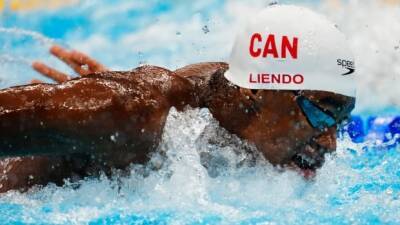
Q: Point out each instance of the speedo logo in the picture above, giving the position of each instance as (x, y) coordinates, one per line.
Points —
(349, 65)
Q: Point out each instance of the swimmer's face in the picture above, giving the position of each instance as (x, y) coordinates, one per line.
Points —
(283, 133)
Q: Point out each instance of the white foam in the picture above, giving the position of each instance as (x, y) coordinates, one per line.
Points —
(186, 191)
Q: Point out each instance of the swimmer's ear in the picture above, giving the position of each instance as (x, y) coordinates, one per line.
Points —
(218, 82)
(221, 86)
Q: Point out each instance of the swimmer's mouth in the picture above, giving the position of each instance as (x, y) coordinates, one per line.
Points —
(308, 159)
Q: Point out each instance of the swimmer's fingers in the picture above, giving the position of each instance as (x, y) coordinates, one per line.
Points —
(50, 72)
(36, 81)
(78, 61)
(67, 58)
(88, 62)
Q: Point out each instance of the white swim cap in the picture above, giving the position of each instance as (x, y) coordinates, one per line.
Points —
(288, 47)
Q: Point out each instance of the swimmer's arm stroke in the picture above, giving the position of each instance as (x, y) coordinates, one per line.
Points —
(83, 115)
(90, 113)
(38, 118)
(81, 63)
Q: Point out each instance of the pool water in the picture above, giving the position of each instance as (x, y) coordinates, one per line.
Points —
(359, 184)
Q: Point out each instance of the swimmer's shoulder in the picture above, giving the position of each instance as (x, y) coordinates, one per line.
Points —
(201, 73)
(145, 70)
(203, 69)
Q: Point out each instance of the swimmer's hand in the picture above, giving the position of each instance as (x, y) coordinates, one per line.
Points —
(81, 63)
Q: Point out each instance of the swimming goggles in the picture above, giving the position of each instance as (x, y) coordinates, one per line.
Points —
(320, 118)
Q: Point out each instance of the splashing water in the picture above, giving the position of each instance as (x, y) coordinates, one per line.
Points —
(19, 60)
(206, 175)
(352, 187)
(31, 34)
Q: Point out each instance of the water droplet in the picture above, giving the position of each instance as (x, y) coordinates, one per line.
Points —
(205, 29)
(85, 67)
(114, 137)
(142, 61)
(273, 3)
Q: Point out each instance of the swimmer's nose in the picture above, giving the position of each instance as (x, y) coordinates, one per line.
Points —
(327, 140)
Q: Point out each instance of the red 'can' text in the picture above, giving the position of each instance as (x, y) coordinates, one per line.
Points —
(267, 46)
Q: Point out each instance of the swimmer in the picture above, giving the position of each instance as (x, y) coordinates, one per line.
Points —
(105, 120)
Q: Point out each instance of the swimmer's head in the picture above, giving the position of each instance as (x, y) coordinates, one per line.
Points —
(295, 128)
(297, 71)
(292, 48)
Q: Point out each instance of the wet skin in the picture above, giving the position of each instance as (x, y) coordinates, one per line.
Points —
(107, 120)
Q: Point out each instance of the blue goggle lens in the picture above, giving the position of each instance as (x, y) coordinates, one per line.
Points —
(315, 116)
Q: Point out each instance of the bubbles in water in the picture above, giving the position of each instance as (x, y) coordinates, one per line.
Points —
(205, 29)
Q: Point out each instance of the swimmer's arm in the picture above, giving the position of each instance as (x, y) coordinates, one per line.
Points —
(81, 63)
(48, 119)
